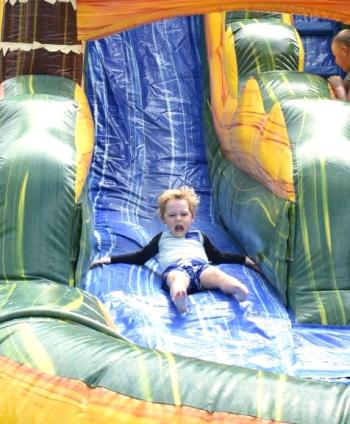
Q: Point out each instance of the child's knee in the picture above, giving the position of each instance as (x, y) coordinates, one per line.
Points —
(214, 273)
(177, 276)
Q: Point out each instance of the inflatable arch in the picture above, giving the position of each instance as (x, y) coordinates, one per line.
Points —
(63, 357)
(92, 21)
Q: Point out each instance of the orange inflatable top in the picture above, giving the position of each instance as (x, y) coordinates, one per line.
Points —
(98, 18)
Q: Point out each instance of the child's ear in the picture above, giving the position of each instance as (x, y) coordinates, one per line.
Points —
(161, 217)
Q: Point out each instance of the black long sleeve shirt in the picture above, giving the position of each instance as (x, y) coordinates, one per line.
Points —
(152, 248)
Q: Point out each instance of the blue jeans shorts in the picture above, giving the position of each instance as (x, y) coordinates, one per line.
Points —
(192, 268)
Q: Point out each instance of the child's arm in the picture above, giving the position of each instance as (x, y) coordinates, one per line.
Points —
(338, 87)
(136, 258)
(218, 257)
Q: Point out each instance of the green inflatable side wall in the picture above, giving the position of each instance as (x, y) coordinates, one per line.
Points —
(45, 232)
(302, 247)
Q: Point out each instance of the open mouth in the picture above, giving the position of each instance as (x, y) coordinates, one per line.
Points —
(179, 227)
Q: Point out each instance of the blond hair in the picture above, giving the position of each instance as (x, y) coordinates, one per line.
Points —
(186, 193)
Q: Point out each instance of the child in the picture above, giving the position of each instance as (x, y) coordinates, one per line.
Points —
(185, 254)
(341, 50)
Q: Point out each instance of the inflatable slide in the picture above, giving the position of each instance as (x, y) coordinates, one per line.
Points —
(169, 103)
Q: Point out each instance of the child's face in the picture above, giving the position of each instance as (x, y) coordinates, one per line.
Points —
(341, 55)
(177, 217)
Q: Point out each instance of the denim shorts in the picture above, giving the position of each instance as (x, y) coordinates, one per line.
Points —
(192, 268)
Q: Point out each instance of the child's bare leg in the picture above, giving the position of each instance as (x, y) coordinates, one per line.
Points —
(178, 282)
(214, 278)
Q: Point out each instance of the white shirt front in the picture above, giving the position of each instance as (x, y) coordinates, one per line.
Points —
(173, 249)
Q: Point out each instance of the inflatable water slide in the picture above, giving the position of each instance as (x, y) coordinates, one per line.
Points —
(103, 105)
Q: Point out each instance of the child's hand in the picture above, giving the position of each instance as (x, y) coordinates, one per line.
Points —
(251, 264)
(102, 261)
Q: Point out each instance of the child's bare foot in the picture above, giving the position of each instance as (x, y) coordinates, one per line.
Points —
(180, 301)
(236, 289)
(241, 293)
(178, 290)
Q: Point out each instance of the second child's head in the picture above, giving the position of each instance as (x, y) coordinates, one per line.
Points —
(177, 209)
(341, 49)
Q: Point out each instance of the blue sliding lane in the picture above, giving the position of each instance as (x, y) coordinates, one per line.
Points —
(145, 91)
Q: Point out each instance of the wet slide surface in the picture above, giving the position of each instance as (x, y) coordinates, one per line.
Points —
(145, 91)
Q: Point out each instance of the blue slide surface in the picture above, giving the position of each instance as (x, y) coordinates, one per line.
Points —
(145, 90)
